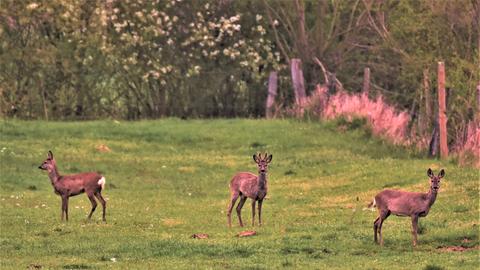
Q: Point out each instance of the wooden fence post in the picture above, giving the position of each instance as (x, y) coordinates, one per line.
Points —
(298, 81)
(272, 93)
(366, 80)
(442, 111)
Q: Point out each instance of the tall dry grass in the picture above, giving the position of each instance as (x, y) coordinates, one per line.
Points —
(467, 144)
(388, 122)
(384, 120)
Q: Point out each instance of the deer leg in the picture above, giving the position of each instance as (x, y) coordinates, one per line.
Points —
(260, 202)
(94, 204)
(239, 209)
(383, 216)
(230, 207)
(375, 229)
(103, 202)
(63, 207)
(414, 229)
(253, 213)
(66, 208)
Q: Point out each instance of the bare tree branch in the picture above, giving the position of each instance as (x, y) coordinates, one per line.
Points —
(325, 75)
(275, 32)
(383, 32)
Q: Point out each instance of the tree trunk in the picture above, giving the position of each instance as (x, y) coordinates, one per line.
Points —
(302, 40)
(272, 93)
(44, 101)
(298, 82)
(433, 145)
(428, 100)
(442, 111)
(366, 81)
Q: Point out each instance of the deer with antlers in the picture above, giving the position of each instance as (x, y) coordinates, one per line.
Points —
(70, 185)
(248, 185)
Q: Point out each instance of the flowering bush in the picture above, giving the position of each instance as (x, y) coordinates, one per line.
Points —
(177, 46)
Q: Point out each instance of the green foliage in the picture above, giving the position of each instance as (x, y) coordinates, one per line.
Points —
(148, 59)
(168, 179)
(132, 59)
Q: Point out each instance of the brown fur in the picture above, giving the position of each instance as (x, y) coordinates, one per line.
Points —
(248, 185)
(71, 185)
(403, 203)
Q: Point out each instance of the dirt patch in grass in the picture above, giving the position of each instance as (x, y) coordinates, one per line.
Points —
(200, 235)
(246, 233)
(457, 248)
(467, 244)
(102, 148)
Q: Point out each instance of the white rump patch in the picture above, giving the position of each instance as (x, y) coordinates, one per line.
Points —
(101, 182)
(371, 207)
(374, 205)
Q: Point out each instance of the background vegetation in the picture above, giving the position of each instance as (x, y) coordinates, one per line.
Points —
(138, 59)
(168, 179)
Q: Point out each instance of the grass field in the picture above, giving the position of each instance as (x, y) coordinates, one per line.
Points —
(168, 179)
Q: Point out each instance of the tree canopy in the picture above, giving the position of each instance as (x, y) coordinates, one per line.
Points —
(135, 59)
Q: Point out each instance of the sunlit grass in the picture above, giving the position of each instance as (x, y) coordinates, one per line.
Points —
(168, 179)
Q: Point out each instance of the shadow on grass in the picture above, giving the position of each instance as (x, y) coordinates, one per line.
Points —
(433, 267)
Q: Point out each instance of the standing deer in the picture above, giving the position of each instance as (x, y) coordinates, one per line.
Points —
(403, 203)
(248, 185)
(70, 185)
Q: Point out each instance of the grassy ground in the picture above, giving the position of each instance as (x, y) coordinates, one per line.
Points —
(169, 179)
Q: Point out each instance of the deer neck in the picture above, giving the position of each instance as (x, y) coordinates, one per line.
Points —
(262, 181)
(431, 197)
(54, 176)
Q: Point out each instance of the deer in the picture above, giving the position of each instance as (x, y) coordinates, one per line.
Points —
(67, 186)
(404, 203)
(248, 185)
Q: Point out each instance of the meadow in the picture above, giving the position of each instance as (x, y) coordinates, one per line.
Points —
(168, 179)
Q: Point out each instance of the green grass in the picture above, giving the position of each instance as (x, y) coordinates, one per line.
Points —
(169, 179)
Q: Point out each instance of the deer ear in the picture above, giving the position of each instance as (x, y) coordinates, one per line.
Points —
(50, 155)
(441, 174)
(269, 159)
(430, 173)
(255, 158)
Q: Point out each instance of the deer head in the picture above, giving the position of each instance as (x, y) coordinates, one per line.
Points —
(435, 180)
(49, 163)
(262, 162)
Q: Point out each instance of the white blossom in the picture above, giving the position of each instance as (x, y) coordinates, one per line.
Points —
(32, 6)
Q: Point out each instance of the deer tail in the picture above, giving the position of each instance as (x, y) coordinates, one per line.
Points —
(101, 182)
(371, 206)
